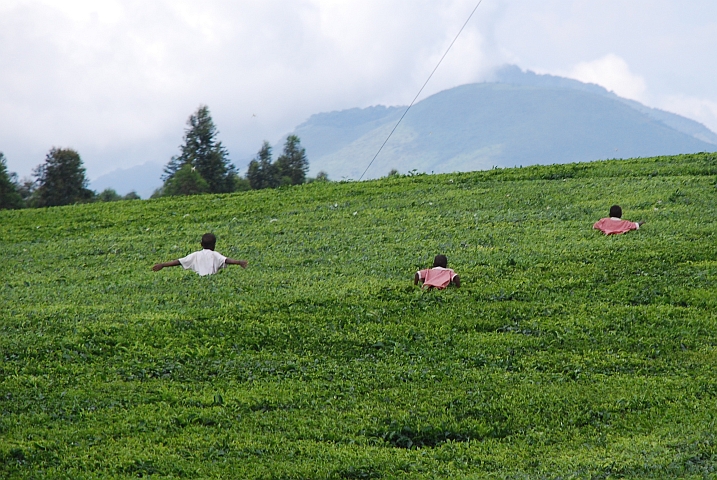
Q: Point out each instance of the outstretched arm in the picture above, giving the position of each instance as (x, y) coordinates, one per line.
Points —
(456, 281)
(231, 261)
(160, 266)
(416, 278)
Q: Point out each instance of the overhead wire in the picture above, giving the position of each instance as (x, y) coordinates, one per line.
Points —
(421, 90)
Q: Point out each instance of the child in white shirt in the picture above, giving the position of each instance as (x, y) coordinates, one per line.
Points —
(205, 261)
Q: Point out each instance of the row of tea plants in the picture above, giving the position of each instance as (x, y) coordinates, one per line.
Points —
(564, 354)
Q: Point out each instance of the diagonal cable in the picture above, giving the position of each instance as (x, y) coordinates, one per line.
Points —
(424, 86)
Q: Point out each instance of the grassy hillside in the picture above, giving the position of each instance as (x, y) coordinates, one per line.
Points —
(565, 353)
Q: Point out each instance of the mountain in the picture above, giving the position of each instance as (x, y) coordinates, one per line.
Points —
(142, 179)
(514, 75)
(519, 118)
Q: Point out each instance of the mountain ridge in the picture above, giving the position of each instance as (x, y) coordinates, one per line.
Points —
(514, 75)
(516, 118)
(519, 118)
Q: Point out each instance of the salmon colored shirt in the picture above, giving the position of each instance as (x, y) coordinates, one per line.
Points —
(613, 225)
(438, 277)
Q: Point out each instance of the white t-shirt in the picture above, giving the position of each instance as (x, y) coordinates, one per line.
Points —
(204, 262)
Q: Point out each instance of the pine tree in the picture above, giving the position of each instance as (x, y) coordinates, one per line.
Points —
(9, 195)
(292, 165)
(61, 179)
(261, 172)
(204, 153)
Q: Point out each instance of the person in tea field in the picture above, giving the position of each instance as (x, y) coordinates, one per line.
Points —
(205, 261)
(440, 276)
(615, 224)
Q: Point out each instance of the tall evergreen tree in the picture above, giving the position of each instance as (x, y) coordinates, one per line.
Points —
(202, 151)
(292, 165)
(262, 173)
(61, 179)
(9, 195)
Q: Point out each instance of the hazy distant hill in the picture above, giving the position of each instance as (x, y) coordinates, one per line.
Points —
(519, 119)
(142, 179)
(513, 74)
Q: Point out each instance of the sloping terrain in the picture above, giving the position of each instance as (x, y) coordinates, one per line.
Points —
(512, 74)
(565, 353)
(525, 119)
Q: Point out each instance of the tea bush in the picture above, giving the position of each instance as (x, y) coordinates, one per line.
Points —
(564, 354)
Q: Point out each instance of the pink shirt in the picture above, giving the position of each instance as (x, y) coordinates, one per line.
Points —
(613, 225)
(438, 277)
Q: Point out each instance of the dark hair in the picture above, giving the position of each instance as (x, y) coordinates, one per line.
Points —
(440, 261)
(209, 241)
(616, 211)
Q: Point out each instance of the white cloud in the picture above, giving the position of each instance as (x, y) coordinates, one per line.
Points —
(613, 73)
(105, 77)
(117, 79)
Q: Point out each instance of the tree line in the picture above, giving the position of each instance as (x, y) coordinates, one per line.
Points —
(202, 166)
(60, 180)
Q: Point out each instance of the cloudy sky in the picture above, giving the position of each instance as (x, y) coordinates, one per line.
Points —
(117, 79)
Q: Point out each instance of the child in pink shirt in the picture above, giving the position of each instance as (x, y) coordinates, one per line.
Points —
(440, 276)
(615, 224)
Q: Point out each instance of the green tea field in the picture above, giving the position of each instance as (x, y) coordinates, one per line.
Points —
(565, 353)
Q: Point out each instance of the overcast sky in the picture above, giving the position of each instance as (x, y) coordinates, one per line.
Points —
(117, 79)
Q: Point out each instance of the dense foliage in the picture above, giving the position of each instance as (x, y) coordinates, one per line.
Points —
(204, 167)
(60, 180)
(564, 354)
(289, 169)
(204, 154)
(185, 181)
(292, 164)
(111, 195)
(262, 172)
(9, 195)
